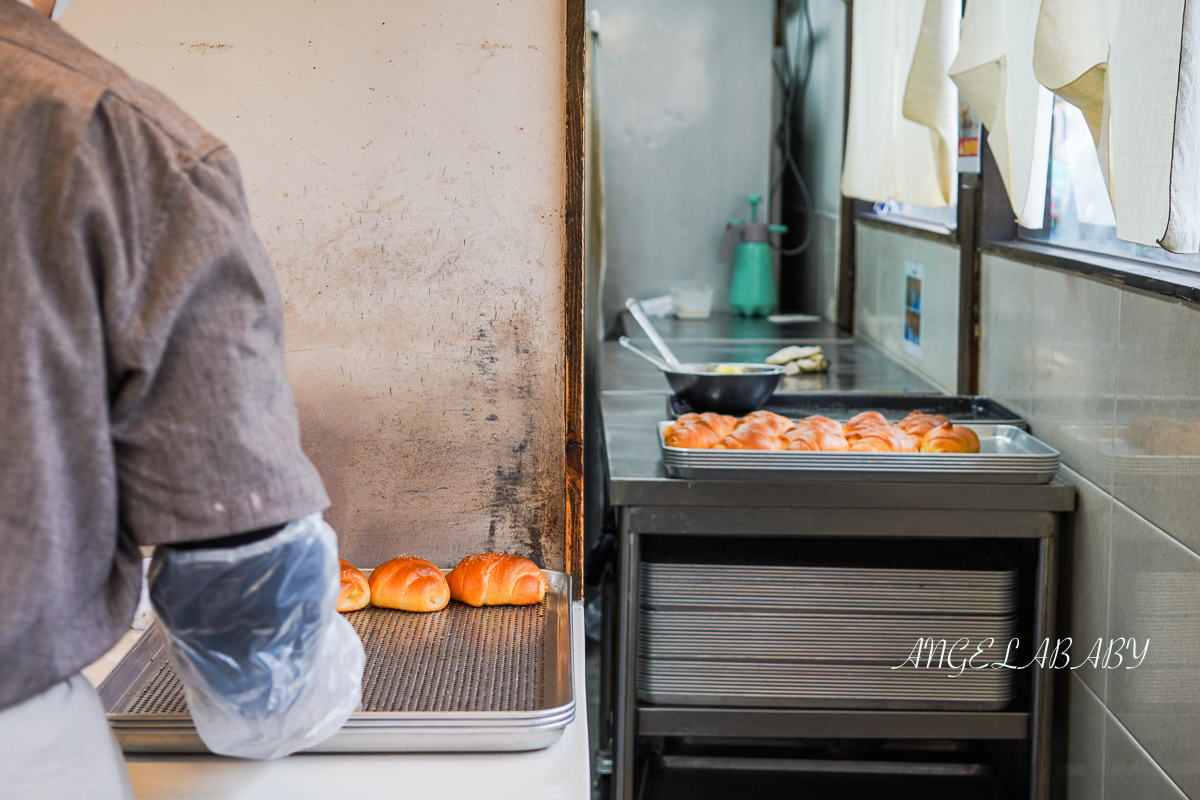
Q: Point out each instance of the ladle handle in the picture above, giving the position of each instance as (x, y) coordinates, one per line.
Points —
(628, 344)
(639, 314)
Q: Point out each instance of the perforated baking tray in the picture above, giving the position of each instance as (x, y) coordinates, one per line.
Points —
(461, 679)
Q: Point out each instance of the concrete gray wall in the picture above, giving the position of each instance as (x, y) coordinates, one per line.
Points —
(685, 103)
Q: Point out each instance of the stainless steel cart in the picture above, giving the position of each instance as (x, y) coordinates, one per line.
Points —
(651, 503)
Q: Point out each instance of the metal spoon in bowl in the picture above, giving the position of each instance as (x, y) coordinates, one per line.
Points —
(628, 344)
(639, 314)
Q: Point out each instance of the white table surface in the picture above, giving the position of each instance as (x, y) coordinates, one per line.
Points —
(561, 771)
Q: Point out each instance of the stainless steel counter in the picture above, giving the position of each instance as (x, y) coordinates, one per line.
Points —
(853, 367)
(636, 478)
(634, 399)
(724, 326)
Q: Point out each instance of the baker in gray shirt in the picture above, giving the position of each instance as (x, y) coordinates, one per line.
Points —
(143, 399)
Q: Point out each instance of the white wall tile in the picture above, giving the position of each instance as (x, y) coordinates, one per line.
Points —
(880, 263)
(1006, 333)
(1155, 596)
(1085, 743)
(1074, 354)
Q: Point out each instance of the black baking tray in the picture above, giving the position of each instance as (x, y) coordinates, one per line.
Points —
(959, 408)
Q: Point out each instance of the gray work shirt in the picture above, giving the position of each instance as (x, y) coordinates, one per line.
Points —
(143, 398)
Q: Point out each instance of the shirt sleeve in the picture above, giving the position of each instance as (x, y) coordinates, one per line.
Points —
(203, 420)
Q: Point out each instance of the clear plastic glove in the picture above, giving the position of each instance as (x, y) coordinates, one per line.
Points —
(269, 667)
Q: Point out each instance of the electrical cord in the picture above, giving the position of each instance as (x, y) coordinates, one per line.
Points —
(793, 85)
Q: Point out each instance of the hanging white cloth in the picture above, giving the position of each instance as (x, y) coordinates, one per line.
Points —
(1133, 68)
(930, 97)
(888, 156)
(994, 73)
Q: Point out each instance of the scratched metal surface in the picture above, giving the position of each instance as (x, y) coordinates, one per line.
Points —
(404, 167)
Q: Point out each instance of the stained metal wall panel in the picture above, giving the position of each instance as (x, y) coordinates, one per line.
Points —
(404, 164)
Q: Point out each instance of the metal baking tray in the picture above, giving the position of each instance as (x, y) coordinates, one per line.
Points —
(960, 409)
(790, 684)
(815, 589)
(1006, 454)
(912, 577)
(461, 679)
(842, 638)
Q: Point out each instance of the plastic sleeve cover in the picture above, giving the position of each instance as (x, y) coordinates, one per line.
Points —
(268, 665)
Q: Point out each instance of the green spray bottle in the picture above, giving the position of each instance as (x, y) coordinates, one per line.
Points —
(753, 292)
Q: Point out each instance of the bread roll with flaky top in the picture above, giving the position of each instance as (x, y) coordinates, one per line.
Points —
(409, 584)
(698, 430)
(918, 423)
(950, 438)
(497, 579)
(815, 439)
(817, 422)
(885, 440)
(864, 424)
(761, 430)
(356, 592)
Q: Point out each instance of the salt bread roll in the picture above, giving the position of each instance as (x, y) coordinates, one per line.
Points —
(356, 592)
(497, 579)
(409, 584)
(698, 430)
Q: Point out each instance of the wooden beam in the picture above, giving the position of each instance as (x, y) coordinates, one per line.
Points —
(573, 286)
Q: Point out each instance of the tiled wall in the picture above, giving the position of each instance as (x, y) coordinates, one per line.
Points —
(1096, 368)
(879, 315)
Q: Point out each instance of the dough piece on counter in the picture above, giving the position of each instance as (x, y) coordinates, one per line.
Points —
(950, 438)
(699, 430)
(409, 584)
(497, 579)
(356, 592)
(760, 430)
(793, 353)
(918, 423)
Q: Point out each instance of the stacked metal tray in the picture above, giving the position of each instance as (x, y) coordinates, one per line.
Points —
(1006, 454)
(799, 635)
(461, 679)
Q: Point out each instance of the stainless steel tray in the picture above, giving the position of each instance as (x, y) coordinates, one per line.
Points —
(824, 685)
(839, 589)
(1007, 455)
(461, 679)
(842, 638)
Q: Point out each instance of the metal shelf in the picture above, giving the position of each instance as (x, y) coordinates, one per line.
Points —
(831, 723)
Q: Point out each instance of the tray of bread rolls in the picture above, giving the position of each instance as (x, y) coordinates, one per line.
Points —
(458, 679)
(867, 447)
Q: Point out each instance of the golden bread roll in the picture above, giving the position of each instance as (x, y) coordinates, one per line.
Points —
(815, 438)
(885, 440)
(864, 424)
(409, 584)
(356, 592)
(950, 438)
(818, 422)
(698, 430)
(497, 579)
(761, 430)
(918, 423)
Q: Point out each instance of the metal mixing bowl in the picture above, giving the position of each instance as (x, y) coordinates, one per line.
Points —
(704, 390)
